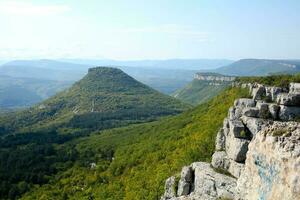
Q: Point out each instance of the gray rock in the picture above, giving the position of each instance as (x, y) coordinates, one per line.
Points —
(169, 188)
(251, 112)
(220, 160)
(274, 111)
(185, 182)
(259, 92)
(226, 127)
(231, 113)
(254, 125)
(235, 168)
(236, 148)
(272, 93)
(294, 88)
(220, 140)
(289, 113)
(289, 99)
(263, 110)
(237, 128)
(273, 164)
(244, 103)
(210, 184)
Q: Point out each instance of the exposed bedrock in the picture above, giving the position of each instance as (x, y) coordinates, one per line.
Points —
(257, 152)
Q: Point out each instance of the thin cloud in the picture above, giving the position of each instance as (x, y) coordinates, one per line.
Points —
(30, 9)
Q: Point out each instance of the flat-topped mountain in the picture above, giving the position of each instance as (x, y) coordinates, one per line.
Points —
(203, 87)
(104, 98)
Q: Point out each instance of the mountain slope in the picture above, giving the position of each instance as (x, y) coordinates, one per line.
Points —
(260, 67)
(204, 87)
(104, 98)
(132, 162)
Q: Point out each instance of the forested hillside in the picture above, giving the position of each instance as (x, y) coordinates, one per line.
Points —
(104, 98)
(32, 141)
(133, 162)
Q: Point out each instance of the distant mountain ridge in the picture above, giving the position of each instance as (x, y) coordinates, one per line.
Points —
(260, 67)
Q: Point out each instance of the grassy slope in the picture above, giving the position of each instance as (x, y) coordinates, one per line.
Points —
(133, 162)
(198, 92)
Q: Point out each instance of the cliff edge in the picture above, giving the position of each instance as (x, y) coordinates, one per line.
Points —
(257, 153)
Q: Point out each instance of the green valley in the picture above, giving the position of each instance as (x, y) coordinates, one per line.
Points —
(132, 162)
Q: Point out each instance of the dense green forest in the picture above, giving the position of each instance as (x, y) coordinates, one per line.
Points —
(133, 162)
(199, 91)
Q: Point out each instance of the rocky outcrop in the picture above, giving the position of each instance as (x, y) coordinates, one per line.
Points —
(272, 169)
(257, 154)
(213, 77)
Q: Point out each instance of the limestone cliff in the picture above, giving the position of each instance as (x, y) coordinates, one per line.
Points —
(257, 152)
(214, 77)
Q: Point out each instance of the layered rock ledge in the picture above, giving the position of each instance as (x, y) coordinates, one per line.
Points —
(257, 153)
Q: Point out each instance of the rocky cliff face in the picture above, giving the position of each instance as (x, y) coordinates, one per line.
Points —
(214, 77)
(257, 152)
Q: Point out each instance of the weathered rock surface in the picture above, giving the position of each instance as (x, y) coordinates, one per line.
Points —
(220, 140)
(169, 188)
(259, 92)
(185, 184)
(289, 99)
(261, 153)
(295, 88)
(289, 113)
(272, 169)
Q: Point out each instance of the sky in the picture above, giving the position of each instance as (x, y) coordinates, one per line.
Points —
(149, 29)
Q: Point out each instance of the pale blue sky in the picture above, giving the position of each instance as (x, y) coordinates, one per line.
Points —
(149, 29)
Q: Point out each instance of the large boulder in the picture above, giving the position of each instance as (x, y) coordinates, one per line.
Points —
(263, 110)
(259, 92)
(251, 112)
(237, 128)
(254, 125)
(220, 160)
(289, 99)
(186, 181)
(287, 113)
(244, 103)
(272, 168)
(236, 148)
(210, 184)
(294, 88)
(272, 92)
(274, 110)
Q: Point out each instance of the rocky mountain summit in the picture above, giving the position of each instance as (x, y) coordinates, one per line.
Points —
(257, 152)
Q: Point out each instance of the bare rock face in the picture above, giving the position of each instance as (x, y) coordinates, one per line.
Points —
(185, 184)
(289, 99)
(295, 88)
(272, 170)
(252, 148)
(220, 140)
(169, 188)
(259, 92)
(287, 113)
